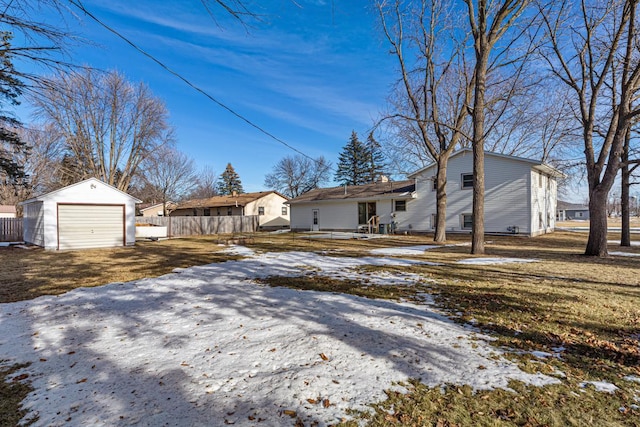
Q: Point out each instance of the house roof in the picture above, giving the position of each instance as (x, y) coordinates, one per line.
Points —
(567, 206)
(94, 180)
(225, 201)
(376, 190)
(542, 167)
(150, 206)
(7, 209)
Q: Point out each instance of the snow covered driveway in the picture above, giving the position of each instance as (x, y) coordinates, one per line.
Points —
(208, 346)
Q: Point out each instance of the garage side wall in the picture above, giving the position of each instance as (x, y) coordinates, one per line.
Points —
(33, 223)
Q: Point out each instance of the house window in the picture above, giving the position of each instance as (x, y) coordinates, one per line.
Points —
(229, 211)
(195, 212)
(365, 212)
(579, 214)
(260, 210)
(284, 210)
(207, 212)
(434, 221)
(467, 221)
(467, 180)
(401, 206)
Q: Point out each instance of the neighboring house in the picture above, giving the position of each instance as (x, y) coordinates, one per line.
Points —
(88, 214)
(7, 211)
(148, 210)
(352, 207)
(520, 197)
(571, 211)
(268, 205)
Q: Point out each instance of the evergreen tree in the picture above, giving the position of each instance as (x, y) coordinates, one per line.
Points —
(10, 143)
(375, 159)
(353, 165)
(229, 182)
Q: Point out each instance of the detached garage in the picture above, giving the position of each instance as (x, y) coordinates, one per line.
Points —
(89, 214)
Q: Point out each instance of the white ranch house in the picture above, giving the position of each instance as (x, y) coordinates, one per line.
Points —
(88, 214)
(520, 198)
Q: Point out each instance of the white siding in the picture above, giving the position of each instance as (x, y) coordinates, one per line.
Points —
(331, 215)
(90, 226)
(33, 223)
(506, 195)
(339, 215)
(543, 203)
(272, 204)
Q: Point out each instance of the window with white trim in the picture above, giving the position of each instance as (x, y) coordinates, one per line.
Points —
(400, 206)
(260, 210)
(284, 210)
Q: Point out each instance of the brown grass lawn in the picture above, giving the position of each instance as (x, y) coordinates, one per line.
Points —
(590, 307)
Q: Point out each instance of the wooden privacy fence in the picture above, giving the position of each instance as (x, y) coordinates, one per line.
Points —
(10, 229)
(203, 225)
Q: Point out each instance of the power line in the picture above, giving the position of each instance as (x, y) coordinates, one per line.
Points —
(80, 6)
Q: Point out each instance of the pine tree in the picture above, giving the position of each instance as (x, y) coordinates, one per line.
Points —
(353, 163)
(375, 159)
(10, 89)
(229, 182)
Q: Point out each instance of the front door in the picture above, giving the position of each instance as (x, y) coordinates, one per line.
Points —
(315, 225)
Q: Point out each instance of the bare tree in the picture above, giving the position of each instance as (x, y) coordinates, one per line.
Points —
(108, 124)
(295, 175)
(435, 86)
(171, 173)
(488, 21)
(593, 51)
(206, 184)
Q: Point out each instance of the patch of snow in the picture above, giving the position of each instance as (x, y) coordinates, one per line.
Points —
(632, 378)
(617, 242)
(208, 343)
(541, 354)
(618, 253)
(405, 250)
(238, 250)
(494, 261)
(602, 386)
(5, 244)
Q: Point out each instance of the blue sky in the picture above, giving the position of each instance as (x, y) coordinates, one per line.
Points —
(309, 72)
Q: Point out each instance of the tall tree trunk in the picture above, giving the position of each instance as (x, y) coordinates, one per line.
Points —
(441, 198)
(482, 60)
(625, 231)
(597, 242)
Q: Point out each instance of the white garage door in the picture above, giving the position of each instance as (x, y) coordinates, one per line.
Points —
(90, 226)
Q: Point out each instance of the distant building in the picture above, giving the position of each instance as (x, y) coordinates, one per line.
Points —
(269, 206)
(572, 211)
(7, 211)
